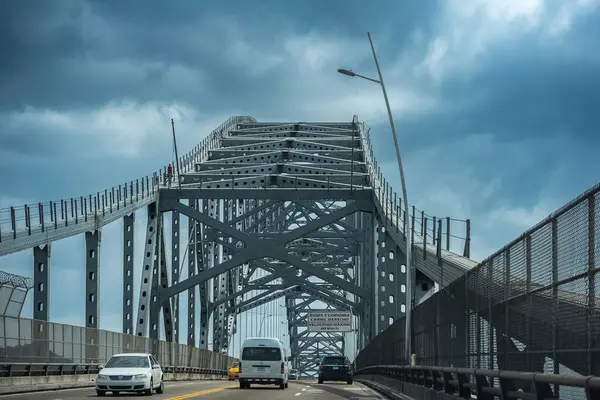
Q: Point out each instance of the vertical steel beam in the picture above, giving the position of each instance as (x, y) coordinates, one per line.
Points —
(150, 251)
(193, 227)
(154, 315)
(201, 250)
(41, 289)
(220, 281)
(175, 271)
(92, 270)
(164, 283)
(367, 258)
(128, 245)
(92, 266)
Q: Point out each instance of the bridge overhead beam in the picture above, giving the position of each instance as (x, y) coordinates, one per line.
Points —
(279, 194)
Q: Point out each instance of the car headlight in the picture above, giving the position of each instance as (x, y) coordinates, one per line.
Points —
(141, 376)
(102, 377)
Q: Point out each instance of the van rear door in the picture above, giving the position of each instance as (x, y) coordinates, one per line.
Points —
(262, 361)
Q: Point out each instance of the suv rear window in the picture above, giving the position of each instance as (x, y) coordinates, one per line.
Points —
(335, 361)
(261, 354)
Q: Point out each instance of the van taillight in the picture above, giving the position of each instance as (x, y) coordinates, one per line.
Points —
(240, 367)
(282, 368)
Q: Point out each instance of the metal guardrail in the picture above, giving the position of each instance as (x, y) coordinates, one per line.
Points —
(464, 383)
(9, 370)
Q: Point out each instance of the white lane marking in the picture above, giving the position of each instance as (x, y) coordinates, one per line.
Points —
(304, 390)
(298, 394)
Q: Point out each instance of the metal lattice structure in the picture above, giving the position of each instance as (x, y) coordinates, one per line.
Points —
(532, 306)
(299, 211)
(13, 292)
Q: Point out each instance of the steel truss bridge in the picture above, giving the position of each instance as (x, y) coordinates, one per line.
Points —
(295, 211)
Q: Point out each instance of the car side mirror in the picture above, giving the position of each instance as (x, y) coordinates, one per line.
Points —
(101, 366)
(155, 366)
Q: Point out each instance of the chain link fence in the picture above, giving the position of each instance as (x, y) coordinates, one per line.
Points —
(532, 306)
(25, 340)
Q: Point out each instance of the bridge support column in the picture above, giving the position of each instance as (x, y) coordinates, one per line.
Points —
(150, 250)
(41, 289)
(41, 301)
(367, 267)
(128, 245)
(214, 259)
(202, 260)
(193, 229)
(175, 272)
(92, 267)
(163, 282)
(154, 314)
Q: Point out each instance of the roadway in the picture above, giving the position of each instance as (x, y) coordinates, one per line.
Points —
(223, 390)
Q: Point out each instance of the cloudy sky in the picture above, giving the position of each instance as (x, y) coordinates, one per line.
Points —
(496, 102)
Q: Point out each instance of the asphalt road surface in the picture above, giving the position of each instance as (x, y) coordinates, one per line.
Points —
(224, 390)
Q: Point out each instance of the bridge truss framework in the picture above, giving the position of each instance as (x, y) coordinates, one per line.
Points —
(304, 202)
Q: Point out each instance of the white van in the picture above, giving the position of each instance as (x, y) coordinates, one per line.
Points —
(264, 362)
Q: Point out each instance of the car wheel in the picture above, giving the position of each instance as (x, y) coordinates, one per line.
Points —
(287, 385)
(149, 391)
(161, 388)
(101, 393)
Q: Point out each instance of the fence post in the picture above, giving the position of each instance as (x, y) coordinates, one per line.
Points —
(467, 250)
(55, 217)
(41, 215)
(448, 233)
(424, 237)
(28, 219)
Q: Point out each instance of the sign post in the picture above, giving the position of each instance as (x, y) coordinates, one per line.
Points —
(329, 321)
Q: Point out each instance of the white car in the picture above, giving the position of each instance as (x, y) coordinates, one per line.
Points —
(130, 372)
(263, 362)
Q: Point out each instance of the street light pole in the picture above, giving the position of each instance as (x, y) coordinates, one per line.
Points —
(408, 250)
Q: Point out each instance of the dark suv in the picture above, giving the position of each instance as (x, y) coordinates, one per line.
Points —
(335, 368)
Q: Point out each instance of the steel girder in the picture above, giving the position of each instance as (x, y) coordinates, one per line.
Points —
(293, 233)
(293, 201)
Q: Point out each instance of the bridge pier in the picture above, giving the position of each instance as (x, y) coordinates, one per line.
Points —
(41, 289)
(368, 319)
(128, 253)
(175, 271)
(201, 254)
(193, 233)
(150, 251)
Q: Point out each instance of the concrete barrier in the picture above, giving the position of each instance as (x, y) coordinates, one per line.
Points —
(24, 384)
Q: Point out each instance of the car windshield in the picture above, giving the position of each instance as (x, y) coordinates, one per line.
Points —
(261, 354)
(128, 362)
(335, 361)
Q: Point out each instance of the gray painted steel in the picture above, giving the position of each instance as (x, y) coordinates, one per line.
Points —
(298, 211)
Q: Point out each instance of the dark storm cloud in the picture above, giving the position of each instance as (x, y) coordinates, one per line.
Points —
(71, 53)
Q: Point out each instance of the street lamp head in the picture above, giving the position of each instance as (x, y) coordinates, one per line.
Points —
(346, 72)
